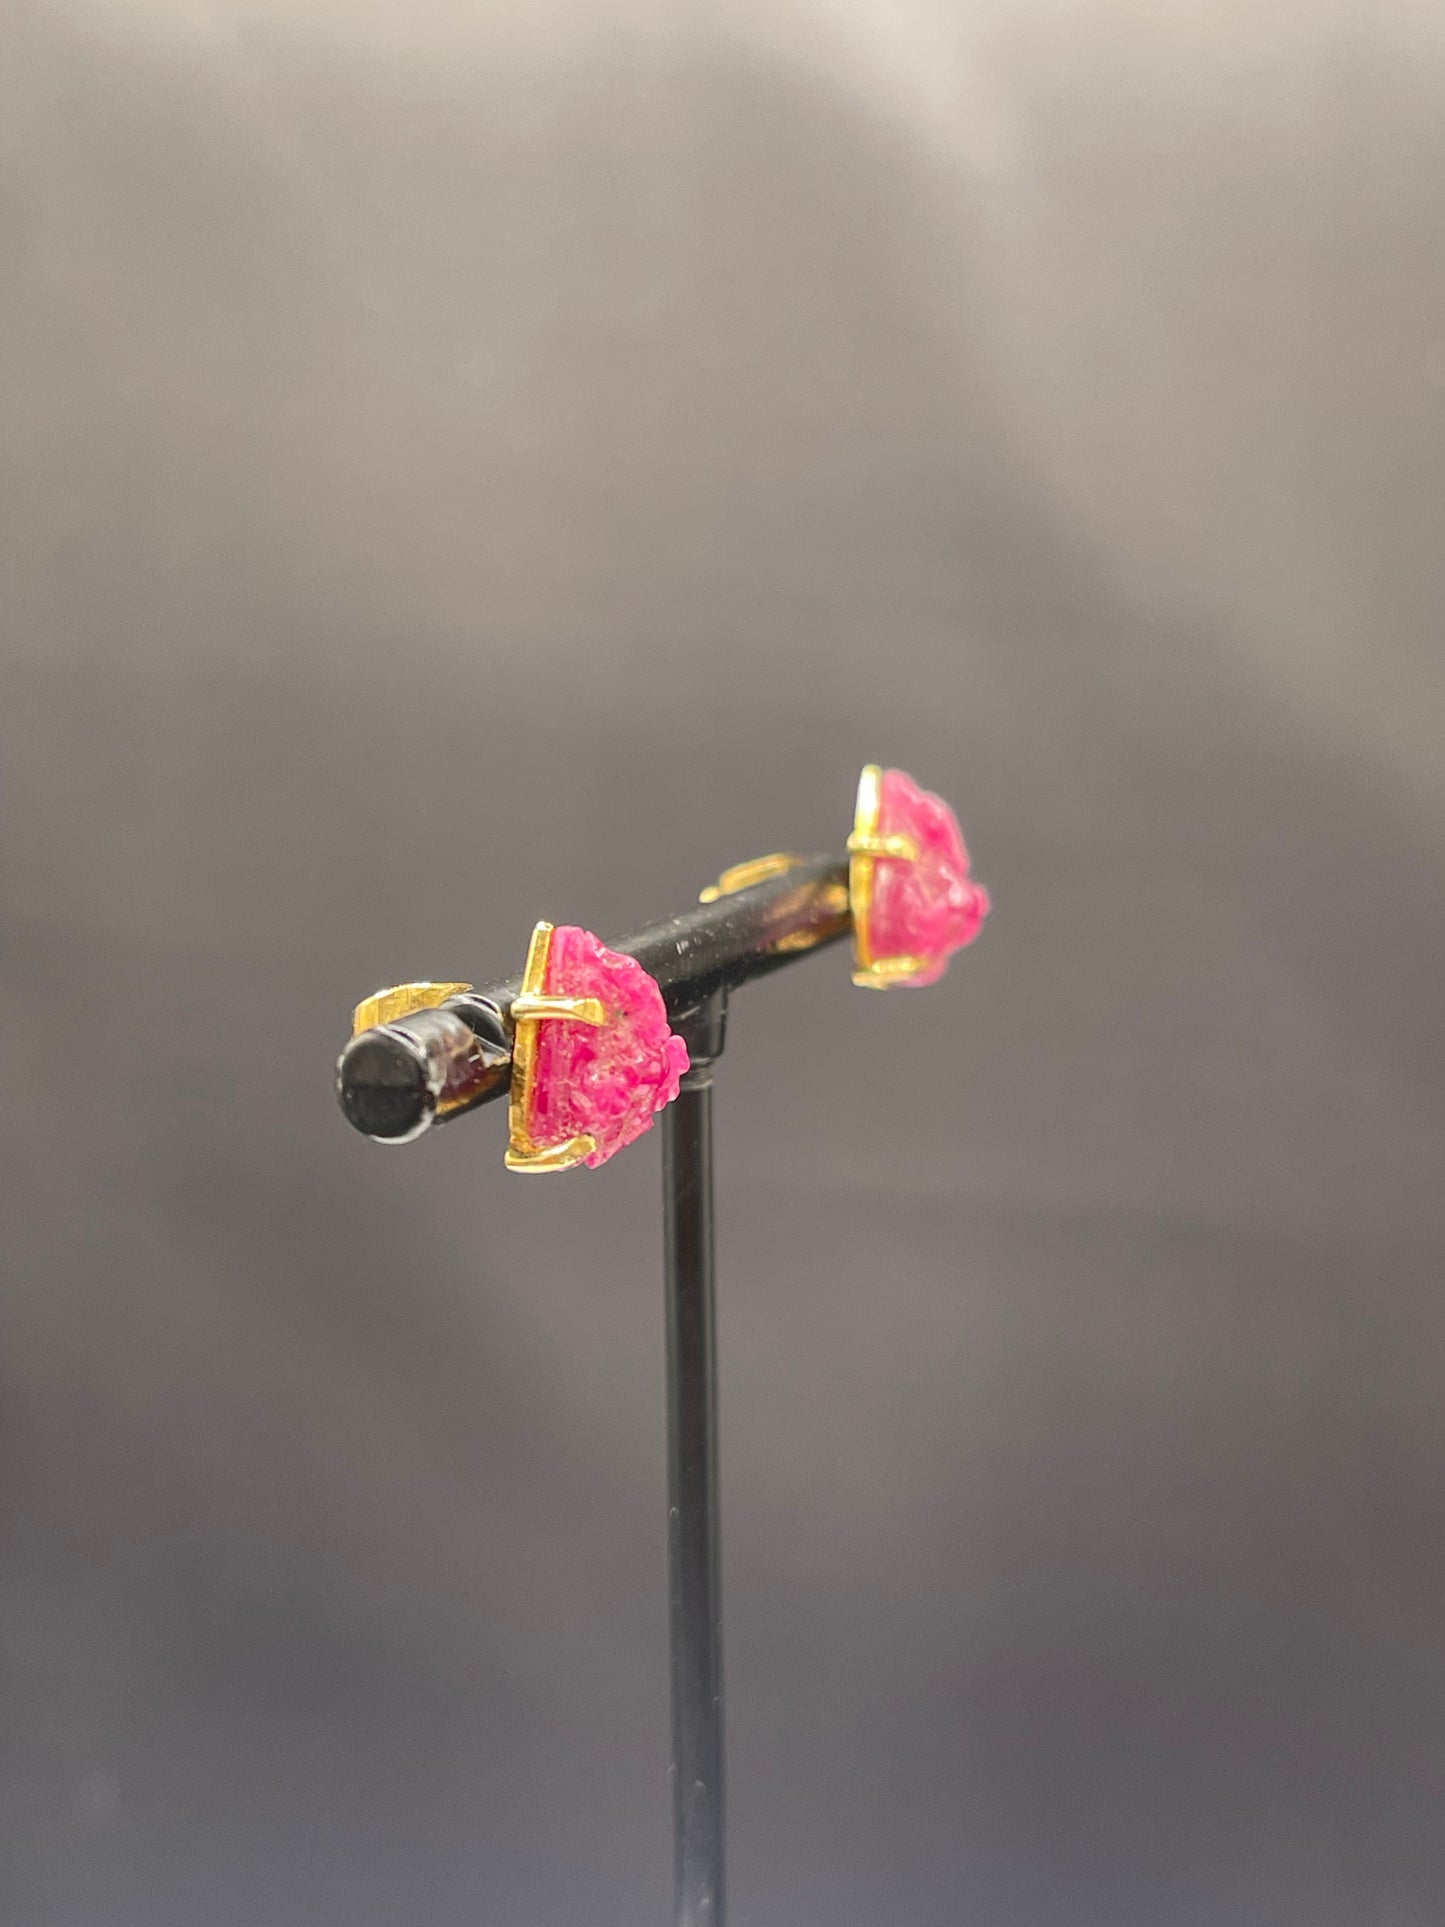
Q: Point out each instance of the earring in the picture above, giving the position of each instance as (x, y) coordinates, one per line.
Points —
(912, 898)
(593, 1055)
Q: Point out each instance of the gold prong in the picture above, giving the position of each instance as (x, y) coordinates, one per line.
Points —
(742, 876)
(551, 1157)
(860, 862)
(520, 1146)
(539, 947)
(865, 847)
(386, 1006)
(581, 1010)
(903, 848)
(885, 971)
(531, 1007)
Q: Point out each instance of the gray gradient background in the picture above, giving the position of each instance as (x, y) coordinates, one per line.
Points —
(466, 463)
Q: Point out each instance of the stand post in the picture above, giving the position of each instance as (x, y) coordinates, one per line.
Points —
(694, 1574)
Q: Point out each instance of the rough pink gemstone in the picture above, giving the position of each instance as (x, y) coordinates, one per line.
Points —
(932, 907)
(608, 1081)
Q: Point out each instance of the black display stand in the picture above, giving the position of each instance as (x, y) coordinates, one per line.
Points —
(438, 1061)
(693, 1506)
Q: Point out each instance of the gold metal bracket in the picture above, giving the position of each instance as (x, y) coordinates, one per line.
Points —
(531, 1007)
(386, 1006)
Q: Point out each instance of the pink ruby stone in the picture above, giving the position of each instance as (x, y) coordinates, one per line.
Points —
(930, 908)
(609, 1080)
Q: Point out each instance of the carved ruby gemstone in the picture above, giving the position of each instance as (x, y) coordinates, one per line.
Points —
(608, 1080)
(930, 908)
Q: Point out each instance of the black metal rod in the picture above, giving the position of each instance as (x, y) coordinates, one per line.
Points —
(395, 1081)
(694, 1572)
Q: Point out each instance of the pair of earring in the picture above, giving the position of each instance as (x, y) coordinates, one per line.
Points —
(594, 1058)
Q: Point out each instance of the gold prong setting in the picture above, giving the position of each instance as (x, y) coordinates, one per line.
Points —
(531, 1007)
(903, 849)
(863, 854)
(598, 1083)
(885, 972)
(924, 912)
(551, 1157)
(581, 1010)
(866, 847)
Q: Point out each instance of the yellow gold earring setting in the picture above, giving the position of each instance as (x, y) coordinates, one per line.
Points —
(913, 900)
(593, 1055)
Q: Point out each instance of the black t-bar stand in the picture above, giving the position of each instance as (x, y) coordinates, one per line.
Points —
(427, 1062)
(693, 1569)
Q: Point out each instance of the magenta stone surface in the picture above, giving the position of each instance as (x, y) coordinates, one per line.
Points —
(932, 907)
(608, 1081)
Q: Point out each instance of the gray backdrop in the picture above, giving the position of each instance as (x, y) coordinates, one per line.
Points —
(464, 463)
